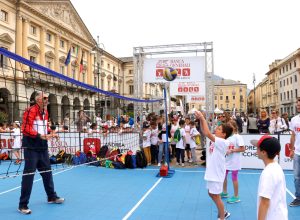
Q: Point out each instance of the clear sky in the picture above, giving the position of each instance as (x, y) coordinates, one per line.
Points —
(248, 35)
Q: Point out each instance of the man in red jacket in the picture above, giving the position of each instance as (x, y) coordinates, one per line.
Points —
(35, 136)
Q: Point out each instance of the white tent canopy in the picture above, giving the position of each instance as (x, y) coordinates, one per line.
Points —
(218, 111)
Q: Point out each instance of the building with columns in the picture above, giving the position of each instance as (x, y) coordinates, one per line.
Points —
(44, 31)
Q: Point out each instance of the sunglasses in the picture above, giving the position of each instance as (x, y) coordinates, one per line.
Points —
(45, 98)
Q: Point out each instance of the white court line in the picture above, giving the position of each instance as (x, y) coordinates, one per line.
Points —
(141, 200)
(18, 187)
(291, 194)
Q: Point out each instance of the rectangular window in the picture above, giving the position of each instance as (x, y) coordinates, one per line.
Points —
(279, 71)
(221, 97)
(216, 98)
(280, 96)
(83, 77)
(62, 44)
(73, 49)
(114, 69)
(280, 84)
(102, 83)
(296, 93)
(48, 37)
(286, 68)
(130, 72)
(62, 69)
(216, 105)
(48, 64)
(283, 82)
(288, 95)
(287, 81)
(291, 80)
(73, 73)
(233, 97)
(291, 94)
(95, 80)
(3, 60)
(282, 69)
(108, 66)
(131, 91)
(284, 96)
(290, 66)
(294, 63)
(227, 98)
(32, 30)
(295, 78)
(3, 15)
(32, 59)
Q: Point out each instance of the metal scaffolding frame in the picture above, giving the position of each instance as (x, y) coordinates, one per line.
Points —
(192, 49)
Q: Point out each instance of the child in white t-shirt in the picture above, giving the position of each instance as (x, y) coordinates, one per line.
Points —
(17, 141)
(187, 129)
(193, 134)
(271, 195)
(180, 145)
(233, 162)
(215, 164)
(146, 142)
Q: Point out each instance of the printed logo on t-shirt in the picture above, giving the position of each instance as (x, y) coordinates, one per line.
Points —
(231, 146)
(297, 129)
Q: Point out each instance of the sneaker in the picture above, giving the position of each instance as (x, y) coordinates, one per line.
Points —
(226, 216)
(190, 160)
(182, 164)
(294, 203)
(224, 195)
(233, 199)
(56, 200)
(24, 210)
(158, 164)
(177, 164)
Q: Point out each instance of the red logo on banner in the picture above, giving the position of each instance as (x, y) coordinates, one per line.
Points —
(91, 144)
(196, 89)
(186, 72)
(159, 72)
(180, 89)
(178, 72)
(185, 89)
(191, 89)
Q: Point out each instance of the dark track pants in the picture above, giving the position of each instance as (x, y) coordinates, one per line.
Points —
(36, 160)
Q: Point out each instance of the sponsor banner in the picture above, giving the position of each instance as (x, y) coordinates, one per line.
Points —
(187, 88)
(189, 69)
(284, 160)
(72, 142)
(249, 159)
(195, 99)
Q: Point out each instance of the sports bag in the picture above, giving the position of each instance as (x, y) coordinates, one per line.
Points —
(177, 135)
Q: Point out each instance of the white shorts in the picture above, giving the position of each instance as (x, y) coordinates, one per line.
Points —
(214, 187)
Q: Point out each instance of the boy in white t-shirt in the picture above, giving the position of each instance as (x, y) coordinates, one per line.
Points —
(271, 195)
(193, 134)
(146, 142)
(180, 145)
(215, 164)
(233, 162)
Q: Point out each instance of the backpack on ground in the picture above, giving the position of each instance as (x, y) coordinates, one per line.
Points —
(79, 158)
(91, 159)
(177, 135)
(60, 156)
(118, 165)
(104, 152)
(128, 161)
(141, 160)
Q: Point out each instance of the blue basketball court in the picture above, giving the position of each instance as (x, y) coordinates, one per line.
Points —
(102, 193)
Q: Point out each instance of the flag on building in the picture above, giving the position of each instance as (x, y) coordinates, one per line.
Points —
(68, 59)
(81, 64)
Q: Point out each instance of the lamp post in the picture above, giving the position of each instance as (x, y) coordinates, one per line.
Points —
(254, 94)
